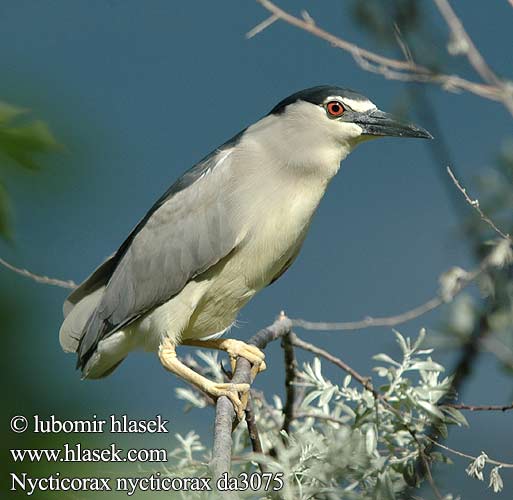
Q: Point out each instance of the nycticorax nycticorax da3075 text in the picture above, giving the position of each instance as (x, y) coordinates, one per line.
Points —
(227, 228)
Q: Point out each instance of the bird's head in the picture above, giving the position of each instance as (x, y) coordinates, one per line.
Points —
(328, 122)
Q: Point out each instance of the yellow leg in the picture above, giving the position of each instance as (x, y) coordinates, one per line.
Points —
(235, 348)
(167, 356)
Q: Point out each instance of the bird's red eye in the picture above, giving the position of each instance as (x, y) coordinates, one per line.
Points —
(334, 108)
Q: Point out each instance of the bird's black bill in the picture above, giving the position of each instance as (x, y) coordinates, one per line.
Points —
(378, 123)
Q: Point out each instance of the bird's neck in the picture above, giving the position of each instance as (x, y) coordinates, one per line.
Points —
(293, 152)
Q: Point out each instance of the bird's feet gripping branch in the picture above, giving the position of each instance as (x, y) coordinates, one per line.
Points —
(236, 393)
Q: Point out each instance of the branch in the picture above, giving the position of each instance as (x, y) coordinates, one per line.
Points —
(290, 376)
(225, 414)
(465, 455)
(461, 406)
(465, 43)
(365, 381)
(452, 283)
(475, 205)
(394, 69)
(45, 280)
(254, 436)
(369, 321)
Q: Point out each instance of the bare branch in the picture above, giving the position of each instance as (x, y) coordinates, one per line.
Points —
(336, 361)
(45, 280)
(427, 468)
(462, 279)
(261, 26)
(475, 205)
(369, 321)
(254, 436)
(467, 47)
(402, 44)
(290, 377)
(461, 406)
(465, 455)
(394, 69)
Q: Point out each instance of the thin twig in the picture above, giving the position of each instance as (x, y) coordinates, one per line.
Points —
(461, 406)
(254, 436)
(365, 381)
(475, 205)
(45, 280)
(427, 468)
(464, 279)
(465, 455)
(391, 68)
(261, 26)
(290, 377)
(369, 321)
(402, 44)
(462, 38)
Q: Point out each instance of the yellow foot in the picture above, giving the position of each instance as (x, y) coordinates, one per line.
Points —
(237, 393)
(231, 391)
(253, 354)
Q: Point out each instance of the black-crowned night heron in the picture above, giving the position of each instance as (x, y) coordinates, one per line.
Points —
(229, 227)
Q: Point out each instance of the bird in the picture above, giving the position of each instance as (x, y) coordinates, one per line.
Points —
(227, 228)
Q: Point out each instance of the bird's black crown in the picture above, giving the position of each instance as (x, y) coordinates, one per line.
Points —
(316, 95)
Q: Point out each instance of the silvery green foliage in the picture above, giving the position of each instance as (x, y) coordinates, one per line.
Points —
(476, 470)
(347, 443)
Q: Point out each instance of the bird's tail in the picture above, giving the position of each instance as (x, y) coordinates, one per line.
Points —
(79, 310)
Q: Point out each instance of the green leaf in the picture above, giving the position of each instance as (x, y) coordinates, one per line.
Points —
(371, 440)
(431, 409)
(386, 359)
(429, 366)
(9, 113)
(402, 343)
(21, 143)
(455, 415)
(420, 339)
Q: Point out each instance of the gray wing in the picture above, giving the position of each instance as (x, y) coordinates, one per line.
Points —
(190, 229)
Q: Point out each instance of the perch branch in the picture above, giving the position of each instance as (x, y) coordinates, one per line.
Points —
(225, 414)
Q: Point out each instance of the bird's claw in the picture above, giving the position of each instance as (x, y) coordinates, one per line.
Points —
(231, 391)
(250, 352)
